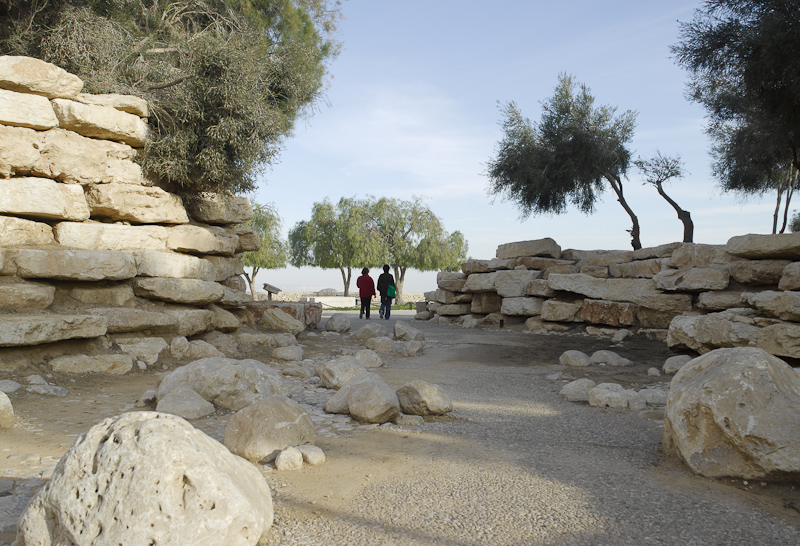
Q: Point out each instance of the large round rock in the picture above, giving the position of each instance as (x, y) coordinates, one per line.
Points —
(259, 432)
(735, 412)
(339, 322)
(339, 371)
(421, 398)
(148, 478)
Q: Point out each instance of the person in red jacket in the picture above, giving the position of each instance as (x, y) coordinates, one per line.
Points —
(366, 289)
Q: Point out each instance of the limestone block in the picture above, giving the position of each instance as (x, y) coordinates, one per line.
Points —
(26, 110)
(602, 257)
(101, 236)
(525, 307)
(675, 363)
(369, 359)
(203, 240)
(25, 295)
(784, 305)
(501, 264)
(75, 265)
(142, 204)
(224, 321)
(337, 372)
(721, 415)
(29, 75)
(112, 363)
(609, 358)
(576, 359)
(780, 340)
(248, 241)
(452, 281)
(483, 303)
(480, 282)
(182, 349)
(777, 246)
(649, 318)
(289, 459)
(280, 321)
(643, 269)
(6, 411)
(338, 322)
(213, 208)
(447, 297)
(719, 301)
(18, 232)
(312, 455)
(288, 354)
(43, 198)
(309, 314)
(177, 486)
(236, 283)
(380, 344)
(612, 395)
(758, 272)
(690, 255)
(260, 431)
(454, 309)
(578, 390)
(373, 329)
(539, 287)
(225, 382)
(540, 264)
(514, 284)
(188, 291)
(546, 247)
(471, 267)
(338, 402)
(184, 402)
(100, 122)
(373, 402)
(408, 348)
(125, 103)
(148, 350)
(133, 320)
(707, 332)
(153, 263)
(790, 280)
(599, 271)
(192, 321)
(20, 330)
(692, 280)
(105, 296)
(660, 251)
(560, 311)
(66, 156)
(611, 313)
(404, 332)
(422, 398)
(225, 268)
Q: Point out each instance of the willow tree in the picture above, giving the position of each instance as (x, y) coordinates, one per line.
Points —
(567, 158)
(225, 80)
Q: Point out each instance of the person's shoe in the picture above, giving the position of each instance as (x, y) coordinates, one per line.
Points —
(361, 316)
(381, 314)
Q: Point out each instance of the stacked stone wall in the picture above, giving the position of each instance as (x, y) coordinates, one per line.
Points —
(93, 255)
(695, 296)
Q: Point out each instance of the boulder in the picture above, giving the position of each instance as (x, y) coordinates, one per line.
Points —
(148, 350)
(641, 269)
(224, 321)
(225, 382)
(21, 330)
(560, 311)
(373, 329)
(784, 305)
(452, 281)
(25, 295)
(117, 295)
(758, 272)
(29, 75)
(380, 344)
(74, 265)
(260, 431)
(248, 241)
(689, 255)
(454, 309)
(599, 257)
(692, 280)
(525, 307)
(337, 372)
(122, 319)
(204, 240)
(25, 110)
(539, 287)
(404, 332)
(719, 301)
(338, 402)
(612, 395)
(790, 279)
(483, 303)
(707, 332)
(289, 459)
(338, 322)
(780, 340)
(369, 359)
(599, 271)
(735, 413)
(408, 348)
(288, 354)
(546, 247)
(542, 264)
(6, 411)
(312, 455)
(186, 403)
(611, 313)
(471, 267)
(480, 282)
(373, 402)
(675, 363)
(212, 208)
(141, 204)
(191, 321)
(502, 264)
(574, 358)
(578, 390)
(112, 363)
(277, 320)
(777, 246)
(125, 103)
(421, 398)
(514, 284)
(177, 486)
(660, 251)
(186, 291)
(447, 297)
(19, 232)
(43, 198)
(100, 122)
(183, 349)
(154, 263)
(225, 343)
(610, 358)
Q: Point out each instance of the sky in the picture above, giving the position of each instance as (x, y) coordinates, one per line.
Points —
(412, 109)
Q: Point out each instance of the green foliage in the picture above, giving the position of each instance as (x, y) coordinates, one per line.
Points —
(226, 80)
(567, 157)
(743, 68)
(274, 251)
(794, 225)
(659, 169)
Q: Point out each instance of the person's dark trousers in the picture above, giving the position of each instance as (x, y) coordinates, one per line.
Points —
(365, 303)
(386, 307)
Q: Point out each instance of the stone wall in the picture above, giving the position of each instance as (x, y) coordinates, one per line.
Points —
(92, 254)
(695, 296)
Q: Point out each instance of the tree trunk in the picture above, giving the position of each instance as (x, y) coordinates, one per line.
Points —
(346, 279)
(399, 279)
(777, 210)
(252, 282)
(616, 185)
(683, 215)
(789, 193)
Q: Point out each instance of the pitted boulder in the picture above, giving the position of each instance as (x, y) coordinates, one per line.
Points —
(178, 486)
(735, 412)
(225, 382)
(260, 431)
(337, 372)
(421, 398)
(338, 322)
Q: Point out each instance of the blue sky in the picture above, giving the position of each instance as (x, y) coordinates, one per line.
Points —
(412, 110)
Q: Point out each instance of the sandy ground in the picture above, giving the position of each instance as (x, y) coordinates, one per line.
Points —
(512, 464)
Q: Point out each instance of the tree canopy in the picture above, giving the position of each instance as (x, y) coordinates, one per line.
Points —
(274, 251)
(567, 157)
(659, 169)
(225, 79)
(743, 59)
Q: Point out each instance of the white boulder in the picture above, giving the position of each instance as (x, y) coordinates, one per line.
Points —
(421, 398)
(338, 322)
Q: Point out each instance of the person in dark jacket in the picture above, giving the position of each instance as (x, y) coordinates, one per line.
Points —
(366, 289)
(384, 282)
